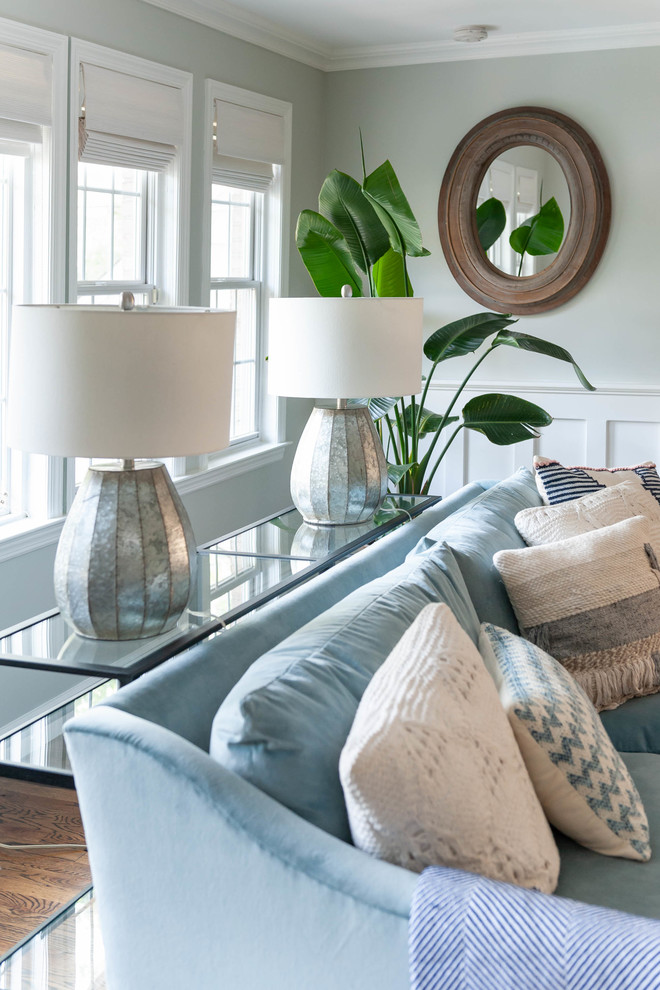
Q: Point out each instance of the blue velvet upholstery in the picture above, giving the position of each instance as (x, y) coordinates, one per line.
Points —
(478, 531)
(184, 694)
(635, 726)
(284, 724)
(205, 881)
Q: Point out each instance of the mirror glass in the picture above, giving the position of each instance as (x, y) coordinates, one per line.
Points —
(535, 201)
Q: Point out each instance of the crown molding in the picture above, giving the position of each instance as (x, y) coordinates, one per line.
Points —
(497, 46)
(230, 19)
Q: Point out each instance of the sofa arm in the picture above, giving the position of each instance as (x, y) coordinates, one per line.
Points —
(203, 881)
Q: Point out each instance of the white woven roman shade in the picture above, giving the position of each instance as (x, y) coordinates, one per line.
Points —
(247, 143)
(128, 121)
(25, 86)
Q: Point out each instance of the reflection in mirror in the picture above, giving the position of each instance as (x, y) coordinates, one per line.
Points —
(524, 179)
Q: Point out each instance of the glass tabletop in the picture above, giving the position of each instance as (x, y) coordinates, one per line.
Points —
(235, 575)
(287, 535)
(225, 586)
(66, 953)
(40, 744)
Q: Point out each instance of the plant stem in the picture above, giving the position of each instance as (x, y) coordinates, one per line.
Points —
(397, 456)
(464, 383)
(414, 448)
(443, 422)
(442, 454)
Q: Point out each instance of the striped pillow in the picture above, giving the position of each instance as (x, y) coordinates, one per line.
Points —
(557, 483)
(593, 603)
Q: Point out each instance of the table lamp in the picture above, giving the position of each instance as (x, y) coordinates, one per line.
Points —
(340, 349)
(127, 383)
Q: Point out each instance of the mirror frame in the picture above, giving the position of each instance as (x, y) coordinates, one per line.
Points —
(588, 226)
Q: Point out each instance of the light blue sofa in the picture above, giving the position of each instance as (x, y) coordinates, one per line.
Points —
(206, 881)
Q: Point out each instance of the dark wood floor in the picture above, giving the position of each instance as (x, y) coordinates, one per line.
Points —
(34, 885)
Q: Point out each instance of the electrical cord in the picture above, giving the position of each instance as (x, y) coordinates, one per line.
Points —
(44, 845)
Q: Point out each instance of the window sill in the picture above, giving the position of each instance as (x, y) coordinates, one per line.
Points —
(231, 463)
(23, 537)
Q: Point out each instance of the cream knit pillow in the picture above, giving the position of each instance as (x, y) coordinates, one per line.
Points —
(593, 603)
(549, 523)
(431, 771)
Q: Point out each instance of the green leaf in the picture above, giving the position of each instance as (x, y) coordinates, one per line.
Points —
(325, 254)
(383, 190)
(380, 407)
(525, 342)
(342, 201)
(464, 336)
(491, 221)
(504, 419)
(395, 472)
(427, 421)
(540, 234)
(390, 277)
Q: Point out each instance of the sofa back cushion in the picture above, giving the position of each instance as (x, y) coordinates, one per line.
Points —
(476, 532)
(285, 722)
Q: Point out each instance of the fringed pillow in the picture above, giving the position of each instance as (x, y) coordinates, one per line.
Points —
(593, 603)
(557, 483)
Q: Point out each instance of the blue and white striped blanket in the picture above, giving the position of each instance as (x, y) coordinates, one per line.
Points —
(470, 933)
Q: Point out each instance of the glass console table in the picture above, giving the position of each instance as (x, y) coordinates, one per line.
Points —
(237, 574)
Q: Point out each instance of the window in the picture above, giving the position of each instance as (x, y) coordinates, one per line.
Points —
(130, 178)
(236, 239)
(32, 135)
(248, 172)
(131, 170)
(115, 215)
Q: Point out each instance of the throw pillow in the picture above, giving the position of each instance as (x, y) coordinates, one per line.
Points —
(581, 781)
(431, 771)
(283, 724)
(476, 531)
(557, 483)
(593, 603)
(547, 524)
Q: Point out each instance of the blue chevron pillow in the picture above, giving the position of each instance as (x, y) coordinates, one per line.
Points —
(581, 781)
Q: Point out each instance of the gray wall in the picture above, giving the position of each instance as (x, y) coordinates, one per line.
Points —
(416, 116)
(140, 29)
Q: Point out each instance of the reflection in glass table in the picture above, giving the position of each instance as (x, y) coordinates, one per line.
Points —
(286, 535)
(236, 575)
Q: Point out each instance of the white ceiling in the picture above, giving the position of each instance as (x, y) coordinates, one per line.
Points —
(341, 34)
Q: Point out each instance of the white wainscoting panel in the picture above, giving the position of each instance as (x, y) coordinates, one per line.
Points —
(612, 427)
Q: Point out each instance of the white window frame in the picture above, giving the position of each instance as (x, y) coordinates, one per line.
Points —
(41, 478)
(275, 270)
(174, 184)
(173, 197)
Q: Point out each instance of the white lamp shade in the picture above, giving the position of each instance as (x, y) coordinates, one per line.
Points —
(96, 381)
(336, 348)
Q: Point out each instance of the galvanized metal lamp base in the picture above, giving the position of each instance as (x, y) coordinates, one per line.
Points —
(125, 562)
(339, 473)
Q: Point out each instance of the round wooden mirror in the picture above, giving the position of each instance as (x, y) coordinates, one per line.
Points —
(589, 214)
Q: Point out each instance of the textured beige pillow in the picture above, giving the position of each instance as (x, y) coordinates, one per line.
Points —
(431, 771)
(593, 603)
(549, 523)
